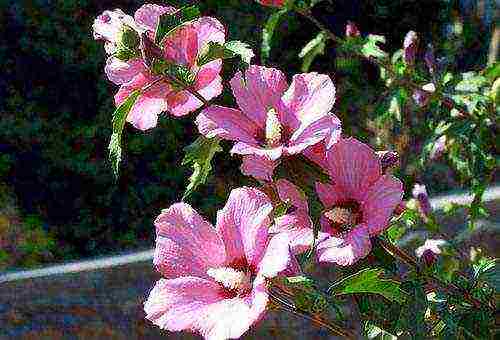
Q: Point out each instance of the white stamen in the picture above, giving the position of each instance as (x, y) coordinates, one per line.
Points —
(341, 216)
(229, 277)
(273, 128)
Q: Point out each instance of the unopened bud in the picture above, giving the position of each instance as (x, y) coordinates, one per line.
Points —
(388, 160)
(410, 46)
(430, 251)
(351, 30)
(430, 60)
(421, 98)
(429, 257)
(420, 194)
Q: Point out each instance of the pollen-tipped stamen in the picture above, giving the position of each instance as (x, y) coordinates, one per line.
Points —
(230, 278)
(273, 128)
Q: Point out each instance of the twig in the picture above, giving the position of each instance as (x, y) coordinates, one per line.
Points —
(333, 328)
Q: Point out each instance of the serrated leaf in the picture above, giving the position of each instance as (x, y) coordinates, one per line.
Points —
(169, 22)
(199, 156)
(268, 33)
(231, 49)
(236, 48)
(312, 49)
(370, 47)
(369, 281)
(119, 118)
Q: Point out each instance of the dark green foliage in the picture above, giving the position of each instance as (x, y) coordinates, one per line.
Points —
(169, 22)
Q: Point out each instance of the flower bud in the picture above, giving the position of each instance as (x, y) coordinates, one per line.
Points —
(351, 30)
(420, 194)
(430, 60)
(388, 160)
(430, 251)
(421, 98)
(410, 46)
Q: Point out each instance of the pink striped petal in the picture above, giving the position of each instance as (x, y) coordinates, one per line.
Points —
(260, 90)
(317, 154)
(329, 194)
(242, 148)
(287, 191)
(181, 46)
(186, 243)
(258, 167)
(175, 304)
(144, 113)
(380, 201)
(120, 72)
(148, 15)
(326, 128)
(244, 223)
(310, 96)
(346, 250)
(276, 258)
(226, 123)
(354, 167)
(209, 30)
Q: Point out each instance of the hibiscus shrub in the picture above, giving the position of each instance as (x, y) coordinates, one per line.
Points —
(317, 235)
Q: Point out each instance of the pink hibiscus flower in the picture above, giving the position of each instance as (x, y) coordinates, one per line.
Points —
(273, 119)
(215, 278)
(181, 48)
(358, 204)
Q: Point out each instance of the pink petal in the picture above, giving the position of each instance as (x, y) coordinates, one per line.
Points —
(260, 90)
(298, 227)
(346, 250)
(287, 191)
(182, 46)
(354, 166)
(209, 30)
(226, 123)
(310, 96)
(108, 25)
(380, 202)
(176, 304)
(277, 256)
(317, 154)
(242, 148)
(148, 15)
(120, 72)
(231, 318)
(244, 223)
(186, 244)
(258, 167)
(144, 113)
(207, 74)
(326, 128)
(329, 194)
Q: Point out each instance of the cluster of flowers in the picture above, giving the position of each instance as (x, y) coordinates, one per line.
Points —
(216, 279)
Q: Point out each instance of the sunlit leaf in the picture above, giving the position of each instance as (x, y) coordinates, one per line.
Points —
(169, 22)
(268, 32)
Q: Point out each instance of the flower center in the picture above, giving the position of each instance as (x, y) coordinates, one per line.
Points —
(273, 128)
(236, 281)
(344, 216)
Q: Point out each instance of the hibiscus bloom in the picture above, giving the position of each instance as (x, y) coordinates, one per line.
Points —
(181, 48)
(273, 119)
(358, 203)
(274, 3)
(215, 278)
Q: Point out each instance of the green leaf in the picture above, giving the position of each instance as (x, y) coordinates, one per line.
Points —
(313, 49)
(236, 48)
(412, 315)
(231, 49)
(119, 118)
(169, 22)
(369, 281)
(199, 156)
(370, 47)
(268, 32)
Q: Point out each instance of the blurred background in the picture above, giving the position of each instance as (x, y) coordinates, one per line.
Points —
(58, 198)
